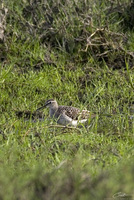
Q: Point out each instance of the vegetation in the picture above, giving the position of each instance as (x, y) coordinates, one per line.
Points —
(82, 54)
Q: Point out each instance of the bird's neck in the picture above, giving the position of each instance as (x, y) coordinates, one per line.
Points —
(53, 110)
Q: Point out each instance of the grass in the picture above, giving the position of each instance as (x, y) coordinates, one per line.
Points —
(41, 161)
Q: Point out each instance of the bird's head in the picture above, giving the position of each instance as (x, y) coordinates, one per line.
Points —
(51, 103)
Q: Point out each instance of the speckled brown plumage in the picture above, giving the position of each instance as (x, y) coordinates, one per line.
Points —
(73, 112)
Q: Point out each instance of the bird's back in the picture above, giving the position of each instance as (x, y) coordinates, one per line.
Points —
(73, 112)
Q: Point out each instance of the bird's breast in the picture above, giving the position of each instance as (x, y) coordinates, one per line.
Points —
(52, 112)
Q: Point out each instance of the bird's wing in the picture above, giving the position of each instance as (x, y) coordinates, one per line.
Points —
(73, 112)
(84, 114)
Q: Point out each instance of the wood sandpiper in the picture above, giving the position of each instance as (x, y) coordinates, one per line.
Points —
(66, 115)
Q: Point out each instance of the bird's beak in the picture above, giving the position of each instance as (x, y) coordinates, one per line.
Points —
(41, 107)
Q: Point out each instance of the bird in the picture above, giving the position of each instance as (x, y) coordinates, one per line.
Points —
(66, 115)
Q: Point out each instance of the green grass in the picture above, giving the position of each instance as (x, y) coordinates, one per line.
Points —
(40, 161)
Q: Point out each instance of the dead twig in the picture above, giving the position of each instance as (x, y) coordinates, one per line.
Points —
(64, 127)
